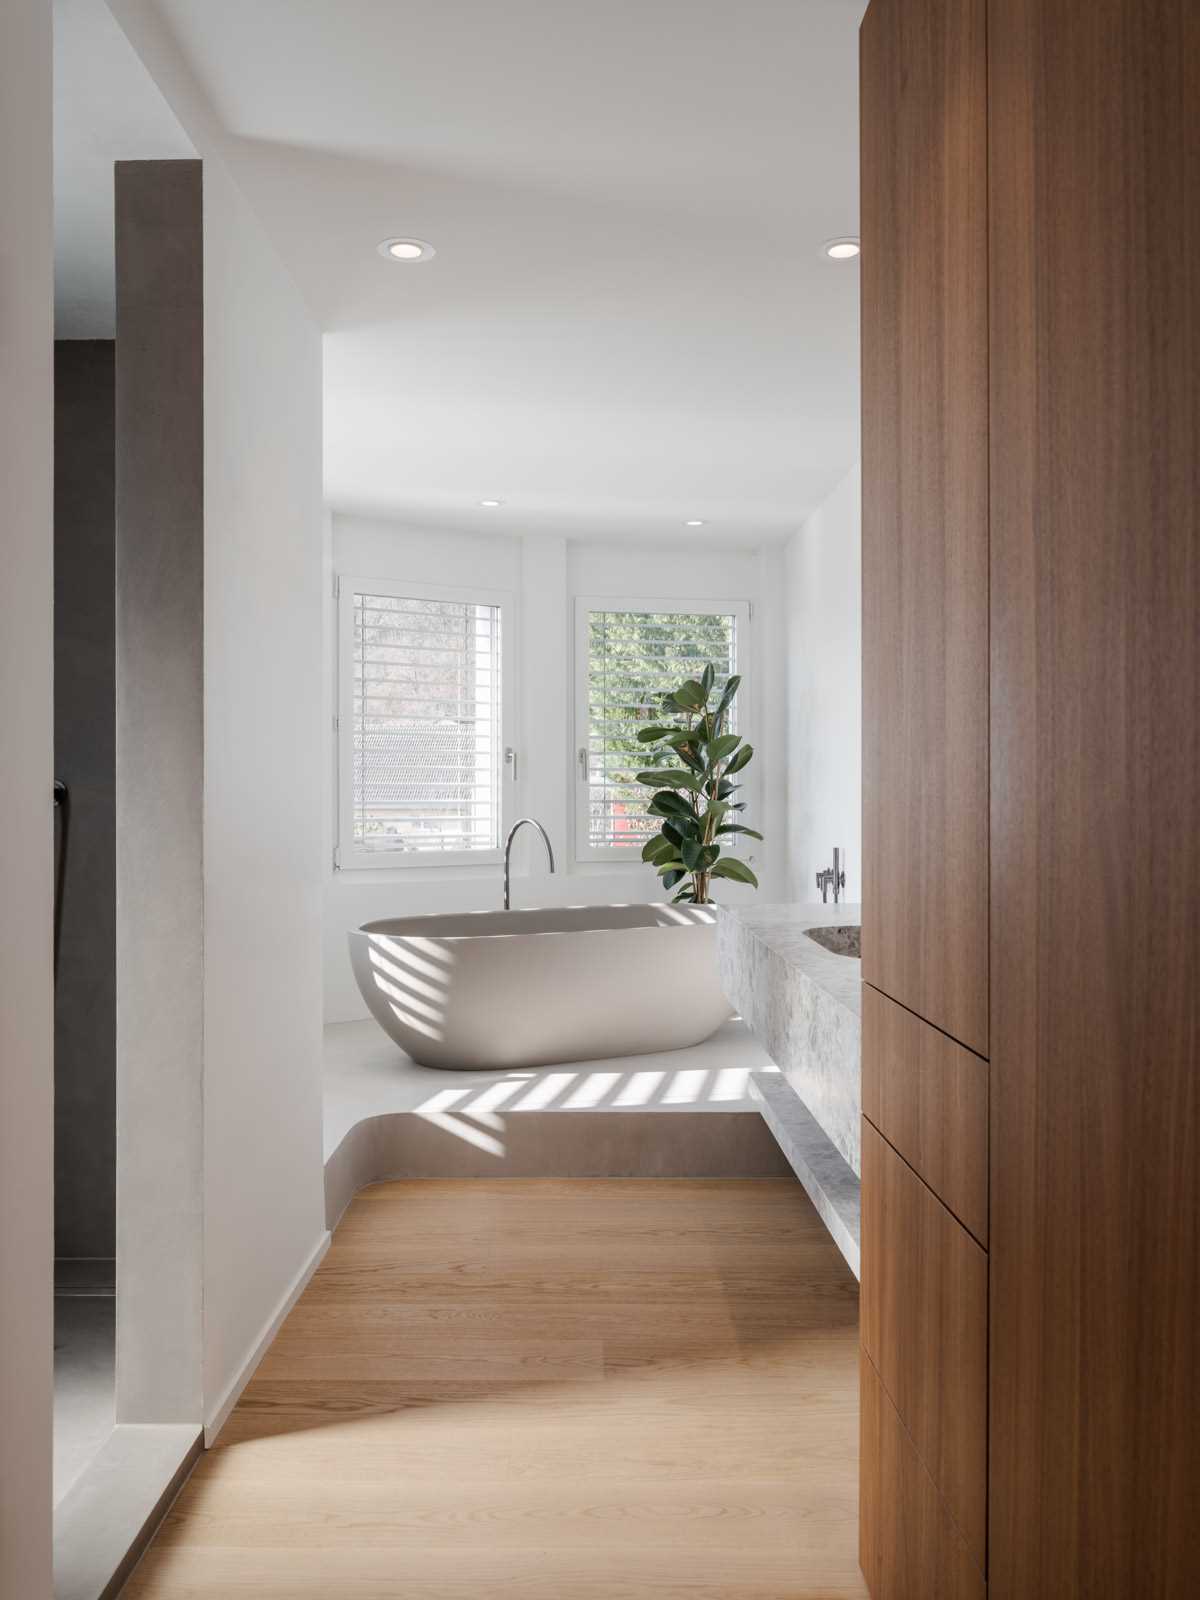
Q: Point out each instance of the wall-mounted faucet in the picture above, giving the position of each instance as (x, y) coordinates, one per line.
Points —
(832, 878)
(531, 822)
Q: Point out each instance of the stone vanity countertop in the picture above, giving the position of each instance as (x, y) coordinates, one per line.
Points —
(804, 1005)
(783, 929)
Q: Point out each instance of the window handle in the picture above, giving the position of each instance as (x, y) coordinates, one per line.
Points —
(584, 774)
(510, 761)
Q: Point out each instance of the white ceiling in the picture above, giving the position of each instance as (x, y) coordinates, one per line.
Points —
(106, 109)
(628, 321)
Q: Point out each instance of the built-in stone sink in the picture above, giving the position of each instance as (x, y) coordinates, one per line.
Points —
(843, 941)
(778, 968)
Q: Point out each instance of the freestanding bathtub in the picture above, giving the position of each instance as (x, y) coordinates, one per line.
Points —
(526, 988)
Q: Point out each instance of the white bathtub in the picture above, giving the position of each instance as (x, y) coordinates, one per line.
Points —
(525, 988)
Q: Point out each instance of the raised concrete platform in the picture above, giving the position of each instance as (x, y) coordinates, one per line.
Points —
(678, 1113)
(721, 1109)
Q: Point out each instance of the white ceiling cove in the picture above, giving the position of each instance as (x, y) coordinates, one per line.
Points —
(628, 321)
(106, 108)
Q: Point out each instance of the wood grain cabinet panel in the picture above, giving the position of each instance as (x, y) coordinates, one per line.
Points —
(924, 1326)
(924, 509)
(1094, 109)
(909, 1548)
(928, 1096)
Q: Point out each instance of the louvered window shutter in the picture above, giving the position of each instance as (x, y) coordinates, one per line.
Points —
(426, 756)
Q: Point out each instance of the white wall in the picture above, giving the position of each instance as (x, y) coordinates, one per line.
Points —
(823, 604)
(265, 751)
(545, 574)
(264, 778)
(26, 731)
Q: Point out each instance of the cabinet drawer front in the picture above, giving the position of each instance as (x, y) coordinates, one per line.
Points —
(928, 1096)
(924, 1326)
(909, 1548)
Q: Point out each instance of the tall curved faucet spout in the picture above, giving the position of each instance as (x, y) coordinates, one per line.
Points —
(522, 822)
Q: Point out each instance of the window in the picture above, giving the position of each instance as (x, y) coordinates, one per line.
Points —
(425, 697)
(628, 654)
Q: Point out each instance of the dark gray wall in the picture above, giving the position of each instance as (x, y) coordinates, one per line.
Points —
(85, 759)
(160, 787)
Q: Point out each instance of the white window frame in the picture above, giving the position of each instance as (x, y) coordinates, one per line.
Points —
(741, 610)
(349, 856)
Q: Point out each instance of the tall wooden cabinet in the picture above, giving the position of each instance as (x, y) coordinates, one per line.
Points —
(1031, 702)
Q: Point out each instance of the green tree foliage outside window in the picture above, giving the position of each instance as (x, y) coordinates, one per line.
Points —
(634, 659)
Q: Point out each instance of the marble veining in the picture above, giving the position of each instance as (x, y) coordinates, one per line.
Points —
(825, 1176)
(804, 1004)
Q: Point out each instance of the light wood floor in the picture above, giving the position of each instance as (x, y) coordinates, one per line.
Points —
(557, 1390)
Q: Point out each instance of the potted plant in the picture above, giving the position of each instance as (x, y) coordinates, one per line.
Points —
(694, 790)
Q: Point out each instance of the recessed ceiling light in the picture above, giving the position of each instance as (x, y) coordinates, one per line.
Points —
(406, 250)
(693, 522)
(491, 502)
(841, 249)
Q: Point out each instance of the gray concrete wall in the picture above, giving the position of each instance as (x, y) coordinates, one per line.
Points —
(85, 1118)
(160, 788)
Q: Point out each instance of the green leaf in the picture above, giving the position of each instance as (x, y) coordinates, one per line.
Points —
(667, 803)
(736, 827)
(690, 695)
(731, 867)
(716, 812)
(649, 735)
(666, 867)
(672, 834)
(731, 688)
(739, 760)
(658, 849)
(674, 777)
(720, 747)
(670, 879)
(699, 857)
(713, 820)
(706, 679)
(682, 894)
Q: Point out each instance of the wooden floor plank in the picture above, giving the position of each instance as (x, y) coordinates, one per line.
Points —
(543, 1390)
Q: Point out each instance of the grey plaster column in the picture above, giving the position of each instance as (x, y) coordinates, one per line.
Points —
(160, 780)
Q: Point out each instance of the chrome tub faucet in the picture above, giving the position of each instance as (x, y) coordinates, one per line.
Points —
(522, 822)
